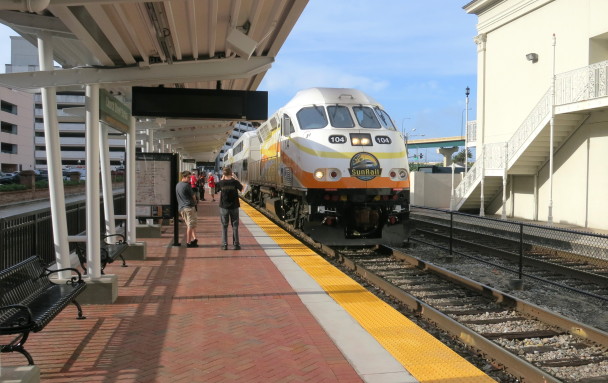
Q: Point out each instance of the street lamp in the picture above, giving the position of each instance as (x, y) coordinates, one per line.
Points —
(466, 130)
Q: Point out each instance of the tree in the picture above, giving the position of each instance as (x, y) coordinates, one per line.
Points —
(459, 157)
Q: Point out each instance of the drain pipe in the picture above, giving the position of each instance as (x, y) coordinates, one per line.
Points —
(24, 5)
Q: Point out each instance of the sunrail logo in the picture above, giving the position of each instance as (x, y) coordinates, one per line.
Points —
(364, 166)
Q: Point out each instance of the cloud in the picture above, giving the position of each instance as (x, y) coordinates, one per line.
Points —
(288, 76)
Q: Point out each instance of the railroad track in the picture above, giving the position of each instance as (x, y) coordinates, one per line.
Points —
(531, 343)
(528, 342)
(585, 275)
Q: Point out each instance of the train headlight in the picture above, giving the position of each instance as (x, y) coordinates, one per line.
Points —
(398, 174)
(361, 139)
(319, 174)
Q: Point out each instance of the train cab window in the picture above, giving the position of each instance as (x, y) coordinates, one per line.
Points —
(385, 120)
(340, 117)
(366, 117)
(287, 126)
(312, 117)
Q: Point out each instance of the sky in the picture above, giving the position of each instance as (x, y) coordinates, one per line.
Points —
(415, 57)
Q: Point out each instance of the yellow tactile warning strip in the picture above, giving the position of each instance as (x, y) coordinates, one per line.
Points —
(426, 358)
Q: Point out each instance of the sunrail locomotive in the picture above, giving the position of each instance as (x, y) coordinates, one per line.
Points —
(332, 163)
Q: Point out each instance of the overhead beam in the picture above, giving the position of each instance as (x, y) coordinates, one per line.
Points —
(208, 70)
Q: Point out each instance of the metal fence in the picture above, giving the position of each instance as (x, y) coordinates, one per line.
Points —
(580, 251)
(31, 232)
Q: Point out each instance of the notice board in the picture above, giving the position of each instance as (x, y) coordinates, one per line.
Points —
(156, 176)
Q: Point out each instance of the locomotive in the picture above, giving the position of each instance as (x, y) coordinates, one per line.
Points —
(332, 163)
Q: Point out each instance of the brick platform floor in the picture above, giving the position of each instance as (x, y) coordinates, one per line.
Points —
(191, 315)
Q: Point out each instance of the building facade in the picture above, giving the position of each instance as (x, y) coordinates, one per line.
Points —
(16, 131)
(542, 111)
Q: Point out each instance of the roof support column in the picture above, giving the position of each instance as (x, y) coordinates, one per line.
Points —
(106, 181)
(130, 182)
(92, 184)
(53, 151)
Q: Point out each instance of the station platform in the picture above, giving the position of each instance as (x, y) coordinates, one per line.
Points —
(273, 311)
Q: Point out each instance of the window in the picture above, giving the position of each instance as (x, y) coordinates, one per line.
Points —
(8, 148)
(312, 117)
(238, 149)
(339, 116)
(366, 117)
(287, 126)
(385, 119)
(8, 128)
(7, 107)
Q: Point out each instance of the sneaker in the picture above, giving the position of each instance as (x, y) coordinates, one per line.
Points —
(191, 245)
(224, 247)
(194, 241)
(237, 247)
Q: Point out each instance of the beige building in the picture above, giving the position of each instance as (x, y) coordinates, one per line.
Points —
(17, 131)
(542, 112)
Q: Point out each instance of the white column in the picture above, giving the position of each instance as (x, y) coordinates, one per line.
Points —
(130, 182)
(92, 184)
(106, 181)
(53, 159)
(504, 182)
(551, 130)
(535, 217)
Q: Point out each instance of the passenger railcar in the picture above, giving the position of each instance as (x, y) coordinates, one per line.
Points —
(332, 163)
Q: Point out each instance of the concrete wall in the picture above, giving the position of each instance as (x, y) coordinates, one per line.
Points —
(432, 189)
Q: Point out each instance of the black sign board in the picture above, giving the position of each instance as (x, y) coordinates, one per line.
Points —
(200, 103)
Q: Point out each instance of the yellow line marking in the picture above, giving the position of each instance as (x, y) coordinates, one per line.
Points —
(425, 357)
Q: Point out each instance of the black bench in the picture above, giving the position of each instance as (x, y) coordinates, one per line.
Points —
(112, 247)
(30, 300)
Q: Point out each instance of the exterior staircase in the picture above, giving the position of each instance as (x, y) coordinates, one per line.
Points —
(577, 94)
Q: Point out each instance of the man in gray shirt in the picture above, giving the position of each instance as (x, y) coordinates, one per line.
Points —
(186, 204)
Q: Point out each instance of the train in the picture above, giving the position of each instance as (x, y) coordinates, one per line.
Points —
(332, 163)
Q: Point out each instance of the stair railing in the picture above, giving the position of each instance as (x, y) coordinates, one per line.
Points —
(574, 86)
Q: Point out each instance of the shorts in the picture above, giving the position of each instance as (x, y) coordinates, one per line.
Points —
(189, 215)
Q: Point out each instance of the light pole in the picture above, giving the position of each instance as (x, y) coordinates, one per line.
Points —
(466, 130)
(403, 124)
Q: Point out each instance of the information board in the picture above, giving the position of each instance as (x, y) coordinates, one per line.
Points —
(155, 181)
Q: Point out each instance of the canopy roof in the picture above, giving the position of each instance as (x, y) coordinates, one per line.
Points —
(205, 44)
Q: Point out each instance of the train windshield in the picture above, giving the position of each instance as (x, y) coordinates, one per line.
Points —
(366, 117)
(312, 117)
(385, 119)
(340, 117)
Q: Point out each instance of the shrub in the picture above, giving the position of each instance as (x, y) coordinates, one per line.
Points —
(12, 187)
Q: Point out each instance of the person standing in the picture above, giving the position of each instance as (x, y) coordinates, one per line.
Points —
(194, 185)
(211, 183)
(201, 186)
(230, 187)
(186, 204)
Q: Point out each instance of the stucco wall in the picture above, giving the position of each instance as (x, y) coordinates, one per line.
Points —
(511, 87)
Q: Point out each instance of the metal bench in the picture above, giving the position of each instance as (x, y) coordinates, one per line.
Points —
(112, 247)
(30, 300)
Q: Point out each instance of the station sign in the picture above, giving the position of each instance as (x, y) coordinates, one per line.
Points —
(113, 112)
